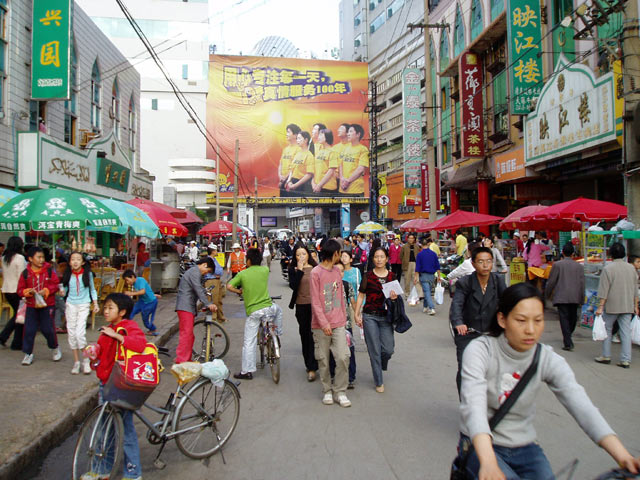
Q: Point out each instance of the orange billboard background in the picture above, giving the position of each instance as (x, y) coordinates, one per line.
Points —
(253, 99)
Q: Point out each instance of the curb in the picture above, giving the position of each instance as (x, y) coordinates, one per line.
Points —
(61, 429)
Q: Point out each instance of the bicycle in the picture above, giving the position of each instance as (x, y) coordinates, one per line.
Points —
(202, 412)
(211, 340)
(613, 474)
(269, 345)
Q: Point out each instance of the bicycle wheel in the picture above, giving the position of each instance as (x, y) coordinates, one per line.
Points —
(273, 360)
(218, 342)
(261, 346)
(206, 416)
(99, 445)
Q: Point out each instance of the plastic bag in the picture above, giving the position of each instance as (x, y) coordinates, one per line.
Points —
(216, 371)
(22, 312)
(413, 297)
(39, 300)
(635, 330)
(599, 332)
(186, 371)
(438, 295)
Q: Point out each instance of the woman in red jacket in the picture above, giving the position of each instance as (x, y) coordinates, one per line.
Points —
(38, 285)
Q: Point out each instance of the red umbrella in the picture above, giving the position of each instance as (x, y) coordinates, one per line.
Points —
(415, 225)
(181, 216)
(583, 209)
(167, 224)
(462, 218)
(515, 221)
(220, 227)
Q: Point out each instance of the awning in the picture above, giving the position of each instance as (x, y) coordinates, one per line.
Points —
(468, 175)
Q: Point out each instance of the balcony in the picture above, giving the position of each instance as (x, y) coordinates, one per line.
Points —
(192, 163)
(193, 187)
(196, 175)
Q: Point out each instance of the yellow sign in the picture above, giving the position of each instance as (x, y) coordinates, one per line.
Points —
(211, 199)
(517, 271)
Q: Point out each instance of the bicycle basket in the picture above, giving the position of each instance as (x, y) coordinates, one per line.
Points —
(119, 393)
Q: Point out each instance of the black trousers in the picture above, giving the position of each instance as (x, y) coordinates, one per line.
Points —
(303, 315)
(568, 313)
(461, 343)
(12, 326)
(396, 268)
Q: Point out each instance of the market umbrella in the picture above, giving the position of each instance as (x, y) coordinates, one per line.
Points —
(515, 221)
(181, 216)
(6, 195)
(369, 227)
(415, 225)
(167, 224)
(55, 209)
(132, 218)
(583, 209)
(462, 218)
(219, 227)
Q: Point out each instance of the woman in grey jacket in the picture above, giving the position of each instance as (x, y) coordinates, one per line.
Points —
(491, 367)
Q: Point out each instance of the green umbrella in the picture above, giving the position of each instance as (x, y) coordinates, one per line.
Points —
(132, 218)
(6, 195)
(369, 227)
(55, 209)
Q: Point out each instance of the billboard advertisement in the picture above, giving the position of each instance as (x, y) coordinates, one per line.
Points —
(301, 125)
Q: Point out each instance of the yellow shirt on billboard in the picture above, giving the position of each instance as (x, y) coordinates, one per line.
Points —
(287, 157)
(302, 164)
(326, 158)
(352, 158)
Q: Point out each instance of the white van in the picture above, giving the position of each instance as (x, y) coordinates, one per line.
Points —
(280, 233)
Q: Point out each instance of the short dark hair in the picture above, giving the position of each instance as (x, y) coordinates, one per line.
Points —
(617, 251)
(129, 274)
(411, 234)
(141, 244)
(476, 251)
(379, 249)
(359, 130)
(510, 298)
(295, 129)
(210, 250)
(568, 249)
(633, 258)
(209, 261)
(254, 256)
(122, 301)
(328, 135)
(425, 241)
(321, 126)
(329, 248)
(33, 250)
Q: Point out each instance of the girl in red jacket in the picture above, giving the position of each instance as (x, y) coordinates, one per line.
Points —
(38, 285)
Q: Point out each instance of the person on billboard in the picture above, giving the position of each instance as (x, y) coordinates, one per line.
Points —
(313, 144)
(301, 170)
(355, 160)
(339, 147)
(287, 156)
(326, 166)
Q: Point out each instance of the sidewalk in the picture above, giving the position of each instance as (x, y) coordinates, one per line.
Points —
(43, 402)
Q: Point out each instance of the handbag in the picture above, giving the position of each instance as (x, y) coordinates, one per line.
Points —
(459, 464)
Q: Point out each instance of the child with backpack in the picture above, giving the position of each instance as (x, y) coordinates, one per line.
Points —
(80, 294)
(37, 285)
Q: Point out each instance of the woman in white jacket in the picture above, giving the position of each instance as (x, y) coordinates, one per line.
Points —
(13, 264)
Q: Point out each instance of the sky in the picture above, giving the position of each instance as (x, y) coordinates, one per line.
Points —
(237, 25)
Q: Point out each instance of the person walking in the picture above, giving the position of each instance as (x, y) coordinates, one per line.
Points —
(214, 279)
(13, 264)
(408, 259)
(499, 265)
(300, 283)
(427, 272)
(267, 252)
(461, 242)
(618, 297)
(237, 260)
(147, 302)
(378, 332)
(566, 288)
(395, 259)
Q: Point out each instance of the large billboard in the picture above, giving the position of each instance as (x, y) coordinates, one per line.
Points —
(301, 126)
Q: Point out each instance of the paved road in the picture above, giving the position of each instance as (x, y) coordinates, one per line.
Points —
(409, 432)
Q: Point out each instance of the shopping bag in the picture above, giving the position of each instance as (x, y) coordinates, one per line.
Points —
(599, 332)
(22, 312)
(413, 297)
(438, 295)
(635, 330)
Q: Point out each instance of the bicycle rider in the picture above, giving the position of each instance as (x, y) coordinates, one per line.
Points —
(252, 284)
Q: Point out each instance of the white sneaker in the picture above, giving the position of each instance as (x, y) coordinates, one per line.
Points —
(76, 368)
(432, 311)
(28, 359)
(343, 400)
(616, 338)
(327, 399)
(95, 476)
(56, 354)
(425, 310)
(86, 366)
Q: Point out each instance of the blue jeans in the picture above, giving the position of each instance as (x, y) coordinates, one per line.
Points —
(624, 322)
(378, 335)
(426, 280)
(132, 467)
(148, 311)
(519, 463)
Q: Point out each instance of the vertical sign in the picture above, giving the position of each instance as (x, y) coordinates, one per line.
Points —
(412, 127)
(524, 37)
(51, 50)
(424, 190)
(471, 97)
(345, 219)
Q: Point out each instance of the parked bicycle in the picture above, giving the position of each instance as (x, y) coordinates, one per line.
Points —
(211, 340)
(201, 418)
(269, 345)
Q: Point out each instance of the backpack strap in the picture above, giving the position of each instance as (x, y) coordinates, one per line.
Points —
(121, 348)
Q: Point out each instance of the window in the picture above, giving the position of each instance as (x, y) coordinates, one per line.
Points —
(3, 50)
(185, 72)
(356, 2)
(497, 7)
(96, 94)
(377, 23)
(132, 124)
(476, 19)
(458, 34)
(357, 41)
(114, 113)
(443, 99)
(154, 104)
(500, 105)
(395, 78)
(372, 5)
(70, 106)
(444, 50)
(357, 20)
(394, 8)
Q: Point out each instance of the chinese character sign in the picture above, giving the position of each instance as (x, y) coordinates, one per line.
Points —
(525, 65)
(50, 50)
(412, 126)
(471, 98)
(424, 190)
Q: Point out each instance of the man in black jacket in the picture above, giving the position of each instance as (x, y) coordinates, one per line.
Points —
(475, 303)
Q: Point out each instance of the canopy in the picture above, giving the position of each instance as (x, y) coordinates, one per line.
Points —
(219, 227)
(167, 224)
(583, 209)
(132, 218)
(181, 216)
(416, 225)
(515, 221)
(6, 195)
(369, 227)
(462, 218)
(55, 209)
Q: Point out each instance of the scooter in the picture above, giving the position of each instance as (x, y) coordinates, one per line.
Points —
(185, 264)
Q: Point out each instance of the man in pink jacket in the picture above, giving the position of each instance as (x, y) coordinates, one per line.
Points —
(328, 322)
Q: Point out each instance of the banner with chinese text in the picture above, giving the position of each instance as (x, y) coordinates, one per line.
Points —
(51, 50)
(301, 126)
(525, 65)
(424, 190)
(471, 98)
(411, 126)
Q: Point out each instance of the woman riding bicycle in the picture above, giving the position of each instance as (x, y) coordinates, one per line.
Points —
(491, 367)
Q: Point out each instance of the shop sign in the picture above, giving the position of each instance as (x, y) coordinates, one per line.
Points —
(471, 98)
(211, 198)
(51, 50)
(510, 165)
(424, 190)
(527, 192)
(517, 272)
(525, 44)
(113, 175)
(411, 126)
(345, 219)
(574, 112)
(404, 209)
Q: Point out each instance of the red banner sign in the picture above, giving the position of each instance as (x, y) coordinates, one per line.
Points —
(424, 190)
(471, 98)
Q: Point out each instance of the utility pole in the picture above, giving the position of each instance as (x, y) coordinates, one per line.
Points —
(234, 231)
(217, 182)
(255, 208)
(373, 109)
